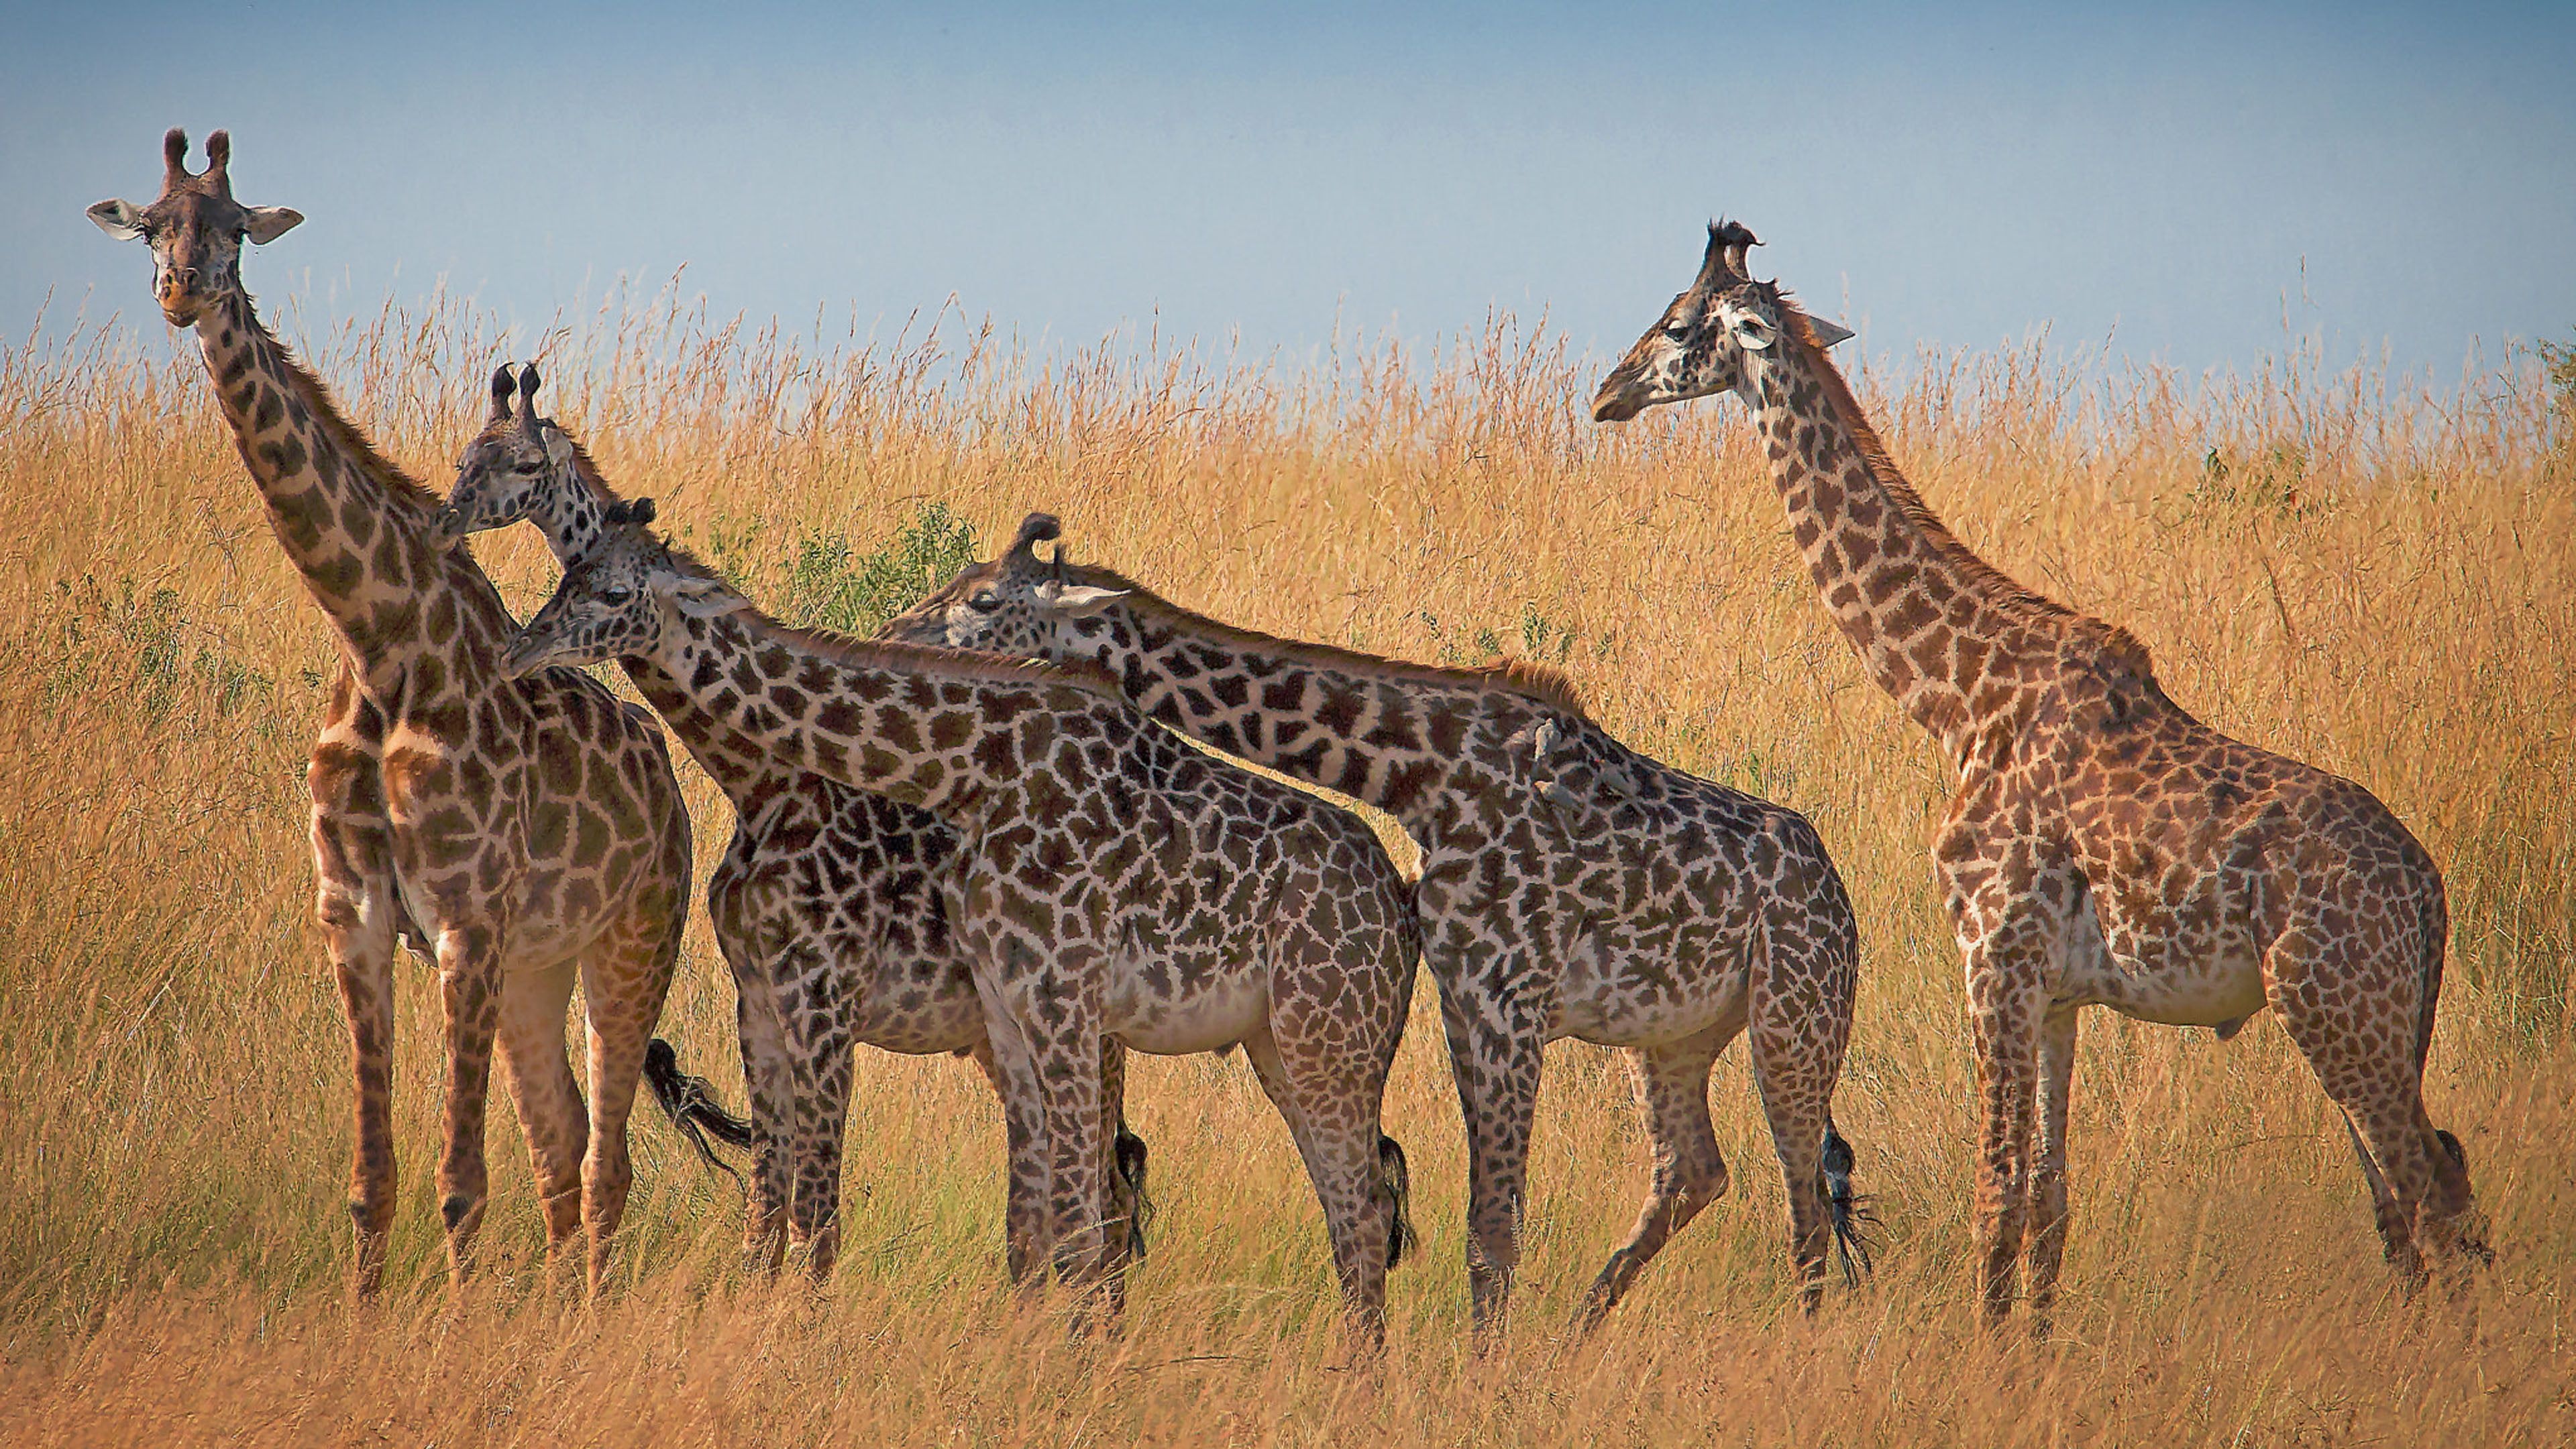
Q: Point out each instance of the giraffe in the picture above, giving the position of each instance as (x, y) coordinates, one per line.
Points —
(1114, 881)
(1570, 888)
(2104, 846)
(525, 831)
(825, 905)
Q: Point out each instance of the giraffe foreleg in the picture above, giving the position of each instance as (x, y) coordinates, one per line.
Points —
(469, 983)
(2048, 1167)
(1495, 1060)
(355, 908)
(2004, 1007)
(1672, 1092)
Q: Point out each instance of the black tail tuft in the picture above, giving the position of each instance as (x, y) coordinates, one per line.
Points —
(1130, 1164)
(1851, 1211)
(691, 1105)
(1399, 1186)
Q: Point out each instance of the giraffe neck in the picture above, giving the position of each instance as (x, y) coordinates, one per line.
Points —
(1951, 639)
(571, 510)
(1386, 733)
(349, 521)
(924, 728)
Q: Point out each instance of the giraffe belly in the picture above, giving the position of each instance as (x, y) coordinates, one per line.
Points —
(1149, 1012)
(2160, 968)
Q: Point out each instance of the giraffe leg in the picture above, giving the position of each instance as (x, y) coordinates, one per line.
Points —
(1334, 1123)
(1067, 1059)
(469, 983)
(1496, 1064)
(539, 1076)
(822, 1124)
(2005, 1006)
(1024, 1192)
(2048, 1167)
(355, 907)
(767, 1086)
(2395, 1236)
(622, 994)
(2370, 1073)
(1672, 1092)
(1116, 1255)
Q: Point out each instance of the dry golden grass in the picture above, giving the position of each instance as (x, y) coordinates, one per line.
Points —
(2378, 583)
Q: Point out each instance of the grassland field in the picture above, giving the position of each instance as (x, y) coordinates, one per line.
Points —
(2372, 576)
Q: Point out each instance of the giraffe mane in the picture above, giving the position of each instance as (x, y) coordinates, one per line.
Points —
(1088, 676)
(1892, 480)
(1527, 679)
(401, 489)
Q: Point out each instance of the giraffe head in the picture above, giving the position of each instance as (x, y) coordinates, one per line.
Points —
(195, 229)
(1688, 353)
(628, 598)
(1019, 604)
(509, 464)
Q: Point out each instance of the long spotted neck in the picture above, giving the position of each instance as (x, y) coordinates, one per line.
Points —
(354, 528)
(571, 509)
(1388, 737)
(1953, 641)
(879, 718)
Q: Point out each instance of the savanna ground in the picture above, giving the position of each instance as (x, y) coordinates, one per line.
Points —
(2373, 579)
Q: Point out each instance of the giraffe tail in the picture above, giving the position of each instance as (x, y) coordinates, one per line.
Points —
(1130, 1164)
(690, 1103)
(1398, 1181)
(1852, 1215)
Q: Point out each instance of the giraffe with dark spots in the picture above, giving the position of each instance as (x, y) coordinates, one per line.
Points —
(1071, 922)
(1540, 919)
(433, 818)
(826, 906)
(2103, 846)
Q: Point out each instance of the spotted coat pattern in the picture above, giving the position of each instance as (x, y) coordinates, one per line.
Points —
(522, 831)
(826, 906)
(1570, 887)
(2104, 847)
(1115, 882)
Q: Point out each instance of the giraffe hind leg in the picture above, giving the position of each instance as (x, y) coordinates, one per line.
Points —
(1333, 1118)
(1672, 1092)
(539, 1077)
(623, 986)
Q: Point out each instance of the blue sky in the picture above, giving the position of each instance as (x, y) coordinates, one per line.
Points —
(2163, 178)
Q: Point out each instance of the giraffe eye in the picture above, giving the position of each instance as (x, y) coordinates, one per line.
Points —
(1677, 330)
(617, 596)
(984, 603)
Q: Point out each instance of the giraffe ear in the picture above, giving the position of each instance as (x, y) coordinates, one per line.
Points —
(1829, 334)
(698, 596)
(559, 455)
(267, 223)
(119, 218)
(1076, 601)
